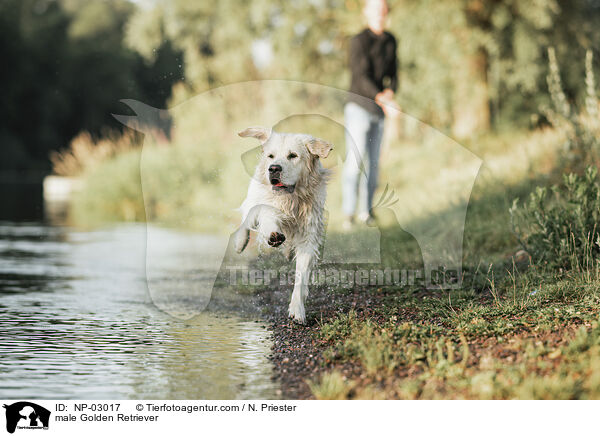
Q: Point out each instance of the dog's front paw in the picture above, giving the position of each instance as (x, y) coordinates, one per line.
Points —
(297, 313)
(276, 239)
(240, 240)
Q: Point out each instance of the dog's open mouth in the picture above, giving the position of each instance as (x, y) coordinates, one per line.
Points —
(278, 186)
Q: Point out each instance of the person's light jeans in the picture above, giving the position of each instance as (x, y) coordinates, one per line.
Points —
(364, 132)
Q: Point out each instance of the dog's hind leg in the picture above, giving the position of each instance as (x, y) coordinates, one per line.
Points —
(304, 260)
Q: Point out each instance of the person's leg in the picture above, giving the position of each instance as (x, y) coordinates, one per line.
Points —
(357, 128)
(373, 149)
(362, 208)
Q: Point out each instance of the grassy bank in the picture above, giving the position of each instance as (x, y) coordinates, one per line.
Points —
(533, 336)
(517, 329)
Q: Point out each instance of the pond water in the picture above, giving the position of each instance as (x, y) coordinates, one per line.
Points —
(77, 322)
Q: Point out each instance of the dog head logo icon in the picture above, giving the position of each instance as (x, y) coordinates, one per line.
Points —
(26, 415)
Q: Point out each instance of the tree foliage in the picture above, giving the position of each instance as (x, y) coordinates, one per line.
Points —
(65, 68)
(466, 65)
(460, 59)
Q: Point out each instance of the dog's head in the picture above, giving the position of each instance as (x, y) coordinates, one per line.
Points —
(287, 158)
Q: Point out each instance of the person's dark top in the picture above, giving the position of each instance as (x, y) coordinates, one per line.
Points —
(372, 59)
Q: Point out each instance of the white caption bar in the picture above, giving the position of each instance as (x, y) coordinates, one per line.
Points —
(159, 417)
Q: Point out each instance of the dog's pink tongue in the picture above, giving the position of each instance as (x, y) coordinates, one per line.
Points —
(279, 184)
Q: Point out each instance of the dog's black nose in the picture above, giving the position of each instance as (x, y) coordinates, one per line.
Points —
(274, 169)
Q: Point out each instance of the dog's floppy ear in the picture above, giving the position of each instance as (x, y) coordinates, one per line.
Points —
(260, 133)
(319, 147)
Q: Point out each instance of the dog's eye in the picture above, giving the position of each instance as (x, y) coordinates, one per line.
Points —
(271, 156)
(292, 156)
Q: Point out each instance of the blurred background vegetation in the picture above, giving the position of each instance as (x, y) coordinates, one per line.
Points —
(467, 66)
(511, 81)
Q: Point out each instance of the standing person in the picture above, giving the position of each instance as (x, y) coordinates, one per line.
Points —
(373, 64)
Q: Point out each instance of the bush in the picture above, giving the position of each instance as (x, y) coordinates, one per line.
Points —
(112, 191)
(85, 153)
(559, 226)
(581, 126)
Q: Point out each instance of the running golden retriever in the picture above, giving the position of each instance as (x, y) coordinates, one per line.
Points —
(285, 203)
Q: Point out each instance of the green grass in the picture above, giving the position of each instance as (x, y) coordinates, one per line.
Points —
(529, 335)
(515, 330)
(331, 386)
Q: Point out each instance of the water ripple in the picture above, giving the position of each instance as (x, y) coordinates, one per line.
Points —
(76, 321)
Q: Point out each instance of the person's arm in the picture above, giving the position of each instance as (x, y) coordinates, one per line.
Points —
(385, 98)
(393, 67)
(359, 66)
